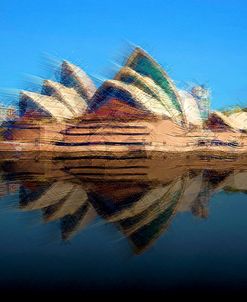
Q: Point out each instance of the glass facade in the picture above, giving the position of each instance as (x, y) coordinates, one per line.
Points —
(202, 96)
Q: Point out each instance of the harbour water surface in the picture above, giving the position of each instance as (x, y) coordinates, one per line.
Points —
(80, 226)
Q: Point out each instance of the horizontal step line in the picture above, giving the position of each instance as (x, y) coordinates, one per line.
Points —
(99, 157)
(23, 173)
(107, 120)
(24, 128)
(108, 126)
(105, 133)
(100, 143)
(109, 174)
(106, 168)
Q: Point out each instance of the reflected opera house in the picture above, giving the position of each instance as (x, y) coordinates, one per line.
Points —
(141, 203)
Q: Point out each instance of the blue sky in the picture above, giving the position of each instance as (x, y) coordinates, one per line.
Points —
(196, 41)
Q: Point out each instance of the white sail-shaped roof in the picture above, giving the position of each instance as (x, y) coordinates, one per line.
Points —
(239, 119)
(50, 104)
(145, 65)
(190, 108)
(131, 93)
(129, 76)
(142, 82)
(75, 77)
(236, 121)
(68, 96)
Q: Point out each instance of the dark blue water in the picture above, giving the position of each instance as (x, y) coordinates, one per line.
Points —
(118, 235)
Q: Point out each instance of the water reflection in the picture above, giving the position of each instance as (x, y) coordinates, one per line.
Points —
(139, 196)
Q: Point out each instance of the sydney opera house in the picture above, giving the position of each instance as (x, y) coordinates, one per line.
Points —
(140, 110)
